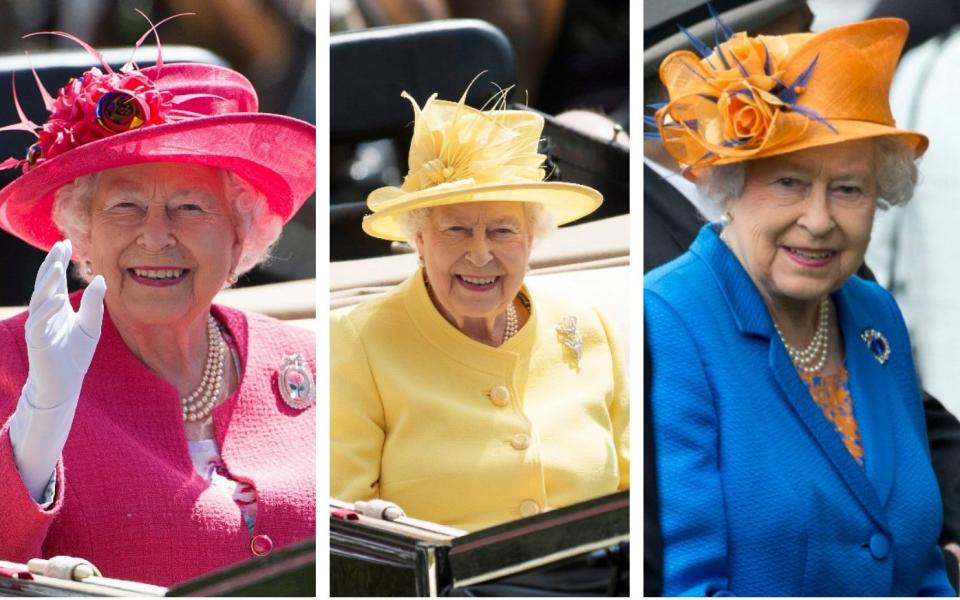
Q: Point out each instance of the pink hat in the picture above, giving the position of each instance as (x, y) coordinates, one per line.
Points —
(183, 113)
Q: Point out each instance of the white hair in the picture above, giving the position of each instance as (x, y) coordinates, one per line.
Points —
(895, 169)
(257, 228)
(540, 221)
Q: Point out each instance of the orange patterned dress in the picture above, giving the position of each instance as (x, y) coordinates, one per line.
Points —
(832, 394)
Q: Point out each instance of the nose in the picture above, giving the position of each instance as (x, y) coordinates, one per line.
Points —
(156, 232)
(478, 253)
(816, 217)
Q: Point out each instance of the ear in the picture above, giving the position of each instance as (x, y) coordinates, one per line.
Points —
(235, 252)
(419, 242)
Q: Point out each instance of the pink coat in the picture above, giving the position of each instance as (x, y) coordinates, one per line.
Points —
(128, 498)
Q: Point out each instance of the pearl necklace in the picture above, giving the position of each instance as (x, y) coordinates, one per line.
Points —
(197, 406)
(513, 324)
(812, 358)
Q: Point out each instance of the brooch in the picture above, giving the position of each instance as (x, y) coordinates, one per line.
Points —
(877, 344)
(570, 337)
(296, 382)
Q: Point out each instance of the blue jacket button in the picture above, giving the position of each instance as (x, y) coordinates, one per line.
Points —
(879, 546)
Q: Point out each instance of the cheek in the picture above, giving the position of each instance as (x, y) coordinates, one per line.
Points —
(858, 227)
(105, 242)
(437, 255)
(517, 255)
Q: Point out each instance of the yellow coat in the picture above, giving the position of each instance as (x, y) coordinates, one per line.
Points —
(465, 434)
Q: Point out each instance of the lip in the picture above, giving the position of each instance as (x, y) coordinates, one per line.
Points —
(473, 287)
(792, 252)
(152, 282)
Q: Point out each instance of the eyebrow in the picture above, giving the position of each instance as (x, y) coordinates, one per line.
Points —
(511, 220)
(132, 185)
(194, 193)
(797, 167)
(126, 185)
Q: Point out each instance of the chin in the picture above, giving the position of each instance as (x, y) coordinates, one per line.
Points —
(806, 291)
(153, 313)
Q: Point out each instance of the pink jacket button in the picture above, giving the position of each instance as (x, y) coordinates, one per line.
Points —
(261, 545)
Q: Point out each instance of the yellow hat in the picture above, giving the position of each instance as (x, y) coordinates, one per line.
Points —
(461, 154)
(754, 97)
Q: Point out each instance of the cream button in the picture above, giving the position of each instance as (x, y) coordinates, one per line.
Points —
(500, 395)
(521, 441)
(528, 508)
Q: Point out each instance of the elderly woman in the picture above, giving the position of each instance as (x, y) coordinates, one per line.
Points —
(790, 444)
(464, 396)
(145, 429)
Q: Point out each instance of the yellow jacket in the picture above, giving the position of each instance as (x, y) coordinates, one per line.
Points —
(465, 434)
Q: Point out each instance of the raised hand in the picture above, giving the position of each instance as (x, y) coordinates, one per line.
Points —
(60, 346)
(60, 342)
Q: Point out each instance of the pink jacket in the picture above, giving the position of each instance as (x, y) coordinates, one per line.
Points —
(128, 498)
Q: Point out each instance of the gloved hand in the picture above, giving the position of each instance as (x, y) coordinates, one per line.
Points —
(60, 346)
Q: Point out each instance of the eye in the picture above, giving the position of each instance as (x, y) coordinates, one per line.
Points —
(848, 191)
(504, 231)
(123, 206)
(190, 207)
(789, 182)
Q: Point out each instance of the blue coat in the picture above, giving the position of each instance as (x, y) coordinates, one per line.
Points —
(759, 496)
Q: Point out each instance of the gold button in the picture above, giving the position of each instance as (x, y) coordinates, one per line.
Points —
(528, 508)
(500, 395)
(521, 441)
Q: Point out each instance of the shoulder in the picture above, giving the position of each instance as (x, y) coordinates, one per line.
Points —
(13, 324)
(553, 307)
(266, 335)
(12, 339)
(683, 288)
(368, 317)
(869, 291)
(679, 276)
(13, 359)
(872, 301)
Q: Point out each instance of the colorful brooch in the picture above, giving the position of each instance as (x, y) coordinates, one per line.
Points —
(296, 382)
(877, 344)
(570, 337)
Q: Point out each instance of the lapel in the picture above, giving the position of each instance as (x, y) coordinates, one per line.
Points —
(753, 319)
(870, 388)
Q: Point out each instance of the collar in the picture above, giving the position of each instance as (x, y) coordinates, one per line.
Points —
(450, 340)
(741, 295)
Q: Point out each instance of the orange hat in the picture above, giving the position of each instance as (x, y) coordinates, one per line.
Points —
(754, 97)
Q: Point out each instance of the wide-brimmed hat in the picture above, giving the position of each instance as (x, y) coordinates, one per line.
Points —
(182, 113)
(755, 97)
(461, 154)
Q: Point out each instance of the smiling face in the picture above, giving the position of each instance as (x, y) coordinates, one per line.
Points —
(163, 238)
(475, 256)
(802, 224)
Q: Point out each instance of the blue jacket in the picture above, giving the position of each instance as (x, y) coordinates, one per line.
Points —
(758, 494)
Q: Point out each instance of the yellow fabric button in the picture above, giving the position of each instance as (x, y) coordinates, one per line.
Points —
(528, 508)
(521, 441)
(500, 395)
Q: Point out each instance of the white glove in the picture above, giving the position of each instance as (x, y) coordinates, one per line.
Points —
(60, 346)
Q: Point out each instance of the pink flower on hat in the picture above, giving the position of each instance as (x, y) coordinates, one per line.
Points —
(95, 106)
